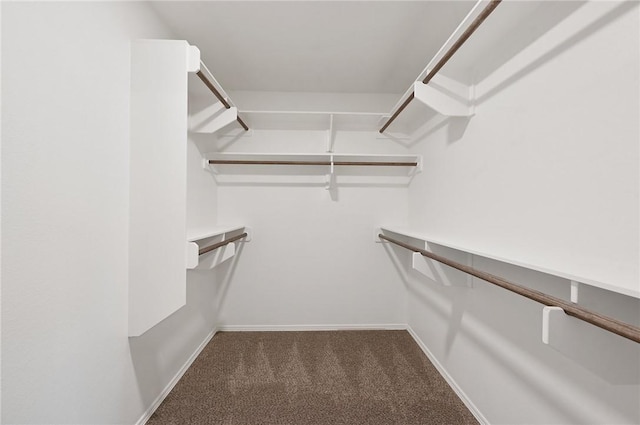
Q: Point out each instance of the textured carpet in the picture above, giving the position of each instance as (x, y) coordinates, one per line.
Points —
(320, 378)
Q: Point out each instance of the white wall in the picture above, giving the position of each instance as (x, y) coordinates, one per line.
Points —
(65, 354)
(312, 260)
(65, 170)
(547, 170)
(545, 173)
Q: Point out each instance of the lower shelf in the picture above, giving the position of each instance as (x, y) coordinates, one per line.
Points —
(196, 259)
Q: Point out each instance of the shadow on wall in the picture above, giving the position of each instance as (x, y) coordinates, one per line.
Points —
(230, 140)
(512, 45)
(396, 254)
(225, 278)
(449, 303)
(204, 142)
(455, 128)
(456, 282)
(503, 331)
(160, 354)
(495, 54)
(494, 349)
(512, 28)
(320, 177)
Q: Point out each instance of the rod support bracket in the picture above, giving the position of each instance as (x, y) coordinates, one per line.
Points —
(193, 59)
(575, 289)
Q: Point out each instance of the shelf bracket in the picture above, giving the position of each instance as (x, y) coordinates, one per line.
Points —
(445, 96)
(210, 259)
(330, 135)
(575, 286)
(212, 118)
(330, 176)
(193, 59)
(439, 273)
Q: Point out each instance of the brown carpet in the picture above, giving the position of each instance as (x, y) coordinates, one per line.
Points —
(319, 378)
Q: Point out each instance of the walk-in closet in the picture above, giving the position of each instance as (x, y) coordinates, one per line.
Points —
(320, 212)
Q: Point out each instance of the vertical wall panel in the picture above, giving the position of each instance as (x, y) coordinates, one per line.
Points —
(158, 181)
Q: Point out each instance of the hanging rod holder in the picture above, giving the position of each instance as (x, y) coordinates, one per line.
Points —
(448, 55)
(217, 94)
(618, 327)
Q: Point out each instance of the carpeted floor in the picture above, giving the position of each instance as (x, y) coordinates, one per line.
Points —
(319, 378)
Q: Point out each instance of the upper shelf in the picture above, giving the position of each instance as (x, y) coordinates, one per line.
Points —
(326, 169)
(313, 159)
(311, 120)
(457, 75)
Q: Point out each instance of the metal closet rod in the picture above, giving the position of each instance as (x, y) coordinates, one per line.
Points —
(219, 244)
(612, 325)
(222, 100)
(452, 50)
(367, 163)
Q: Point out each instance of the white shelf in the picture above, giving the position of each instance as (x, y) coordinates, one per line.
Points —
(609, 287)
(315, 169)
(313, 120)
(210, 236)
(377, 157)
(315, 157)
(196, 235)
(266, 156)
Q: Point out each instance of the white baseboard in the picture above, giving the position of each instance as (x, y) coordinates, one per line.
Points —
(296, 328)
(452, 383)
(156, 403)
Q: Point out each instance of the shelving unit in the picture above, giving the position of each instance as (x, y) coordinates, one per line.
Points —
(202, 234)
(160, 123)
(222, 159)
(213, 117)
(563, 321)
(444, 96)
(197, 240)
(570, 277)
(313, 120)
(271, 167)
(432, 95)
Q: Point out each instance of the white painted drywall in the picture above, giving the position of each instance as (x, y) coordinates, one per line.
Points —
(66, 357)
(312, 260)
(545, 173)
(65, 199)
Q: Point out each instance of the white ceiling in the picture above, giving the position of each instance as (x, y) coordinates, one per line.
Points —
(315, 46)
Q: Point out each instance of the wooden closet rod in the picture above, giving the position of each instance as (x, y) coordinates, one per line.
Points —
(222, 100)
(367, 163)
(612, 325)
(452, 50)
(219, 244)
